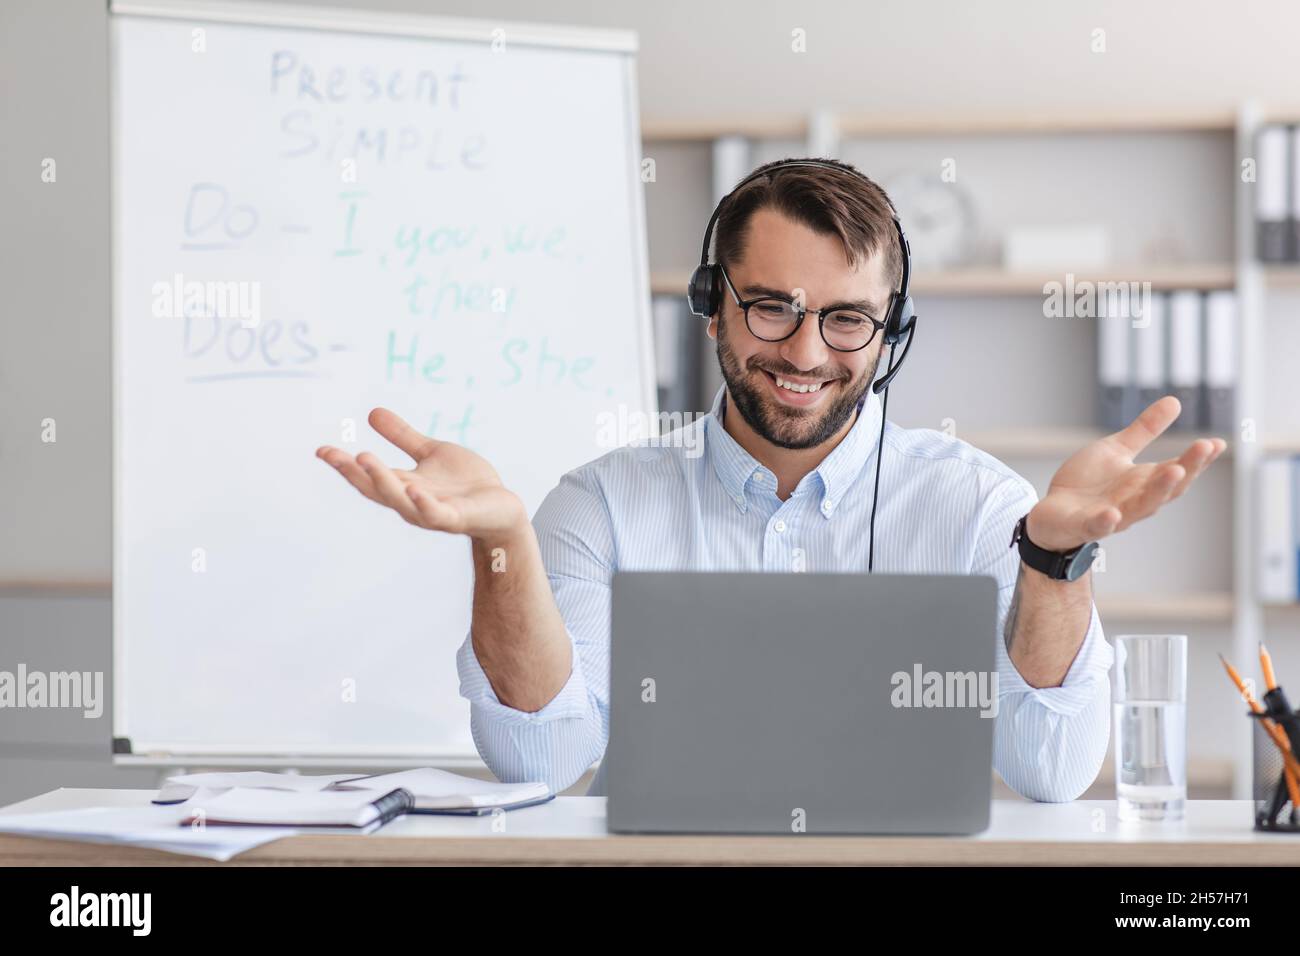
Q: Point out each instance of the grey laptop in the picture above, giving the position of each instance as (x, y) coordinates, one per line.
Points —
(786, 703)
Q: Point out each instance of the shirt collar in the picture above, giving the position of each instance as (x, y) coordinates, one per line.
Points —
(837, 472)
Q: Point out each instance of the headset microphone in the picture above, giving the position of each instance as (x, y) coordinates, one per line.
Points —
(883, 382)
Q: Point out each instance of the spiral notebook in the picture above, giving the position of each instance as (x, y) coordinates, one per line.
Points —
(438, 791)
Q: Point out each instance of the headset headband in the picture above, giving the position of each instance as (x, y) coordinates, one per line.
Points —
(904, 246)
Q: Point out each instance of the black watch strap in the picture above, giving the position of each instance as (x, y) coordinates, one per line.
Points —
(1057, 565)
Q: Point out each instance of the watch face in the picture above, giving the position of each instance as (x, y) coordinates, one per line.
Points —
(1081, 562)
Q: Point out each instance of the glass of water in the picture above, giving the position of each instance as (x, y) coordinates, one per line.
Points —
(1150, 701)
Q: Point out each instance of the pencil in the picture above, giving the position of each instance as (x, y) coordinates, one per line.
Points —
(1292, 769)
(1266, 665)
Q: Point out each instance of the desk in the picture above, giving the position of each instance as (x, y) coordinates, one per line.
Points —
(571, 831)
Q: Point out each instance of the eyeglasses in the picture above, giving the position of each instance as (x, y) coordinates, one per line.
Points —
(774, 320)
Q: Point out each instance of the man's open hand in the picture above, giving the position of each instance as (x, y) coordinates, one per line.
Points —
(450, 488)
(1100, 490)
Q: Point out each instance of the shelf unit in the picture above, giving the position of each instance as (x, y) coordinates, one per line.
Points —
(1053, 443)
(1281, 277)
(991, 281)
(850, 125)
(1236, 609)
(1190, 607)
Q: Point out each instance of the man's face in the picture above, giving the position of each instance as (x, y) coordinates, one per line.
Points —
(782, 257)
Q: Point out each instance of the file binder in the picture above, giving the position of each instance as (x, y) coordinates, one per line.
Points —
(1294, 220)
(1149, 347)
(1276, 524)
(1273, 224)
(1186, 375)
(1221, 362)
(1114, 381)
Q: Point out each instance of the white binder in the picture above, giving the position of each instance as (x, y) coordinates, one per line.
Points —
(1276, 523)
(1221, 361)
(1186, 376)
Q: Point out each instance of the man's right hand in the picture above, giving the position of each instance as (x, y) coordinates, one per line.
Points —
(450, 488)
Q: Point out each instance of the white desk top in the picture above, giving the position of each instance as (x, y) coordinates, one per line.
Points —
(572, 830)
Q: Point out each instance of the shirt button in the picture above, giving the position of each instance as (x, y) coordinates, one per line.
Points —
(779, 526)
(827, 507)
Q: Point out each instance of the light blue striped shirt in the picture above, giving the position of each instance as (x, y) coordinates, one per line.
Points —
(698, 501)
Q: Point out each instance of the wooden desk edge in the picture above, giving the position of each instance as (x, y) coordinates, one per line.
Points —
(337, 850)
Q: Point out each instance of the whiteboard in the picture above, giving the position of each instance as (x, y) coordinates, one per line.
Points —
(402, 211)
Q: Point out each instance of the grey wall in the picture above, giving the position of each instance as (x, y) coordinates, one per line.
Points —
(54, 291)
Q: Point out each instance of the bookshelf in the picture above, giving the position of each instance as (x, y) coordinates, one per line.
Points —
(1283, 444)
(1187, 607)
(1052, 443)
(851, 125)
(1221, 613)
(1281, 277)
(994, 281)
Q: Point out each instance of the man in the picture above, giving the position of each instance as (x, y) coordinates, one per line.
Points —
(785, 483)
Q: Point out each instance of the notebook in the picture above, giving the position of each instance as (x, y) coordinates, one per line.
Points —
(438, 791)
(364, 810)
(433, 791)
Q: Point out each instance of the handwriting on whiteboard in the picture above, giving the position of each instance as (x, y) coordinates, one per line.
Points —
(310, 128)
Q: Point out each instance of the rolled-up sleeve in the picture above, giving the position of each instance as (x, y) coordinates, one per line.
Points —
(559, 742)
(1049, 742)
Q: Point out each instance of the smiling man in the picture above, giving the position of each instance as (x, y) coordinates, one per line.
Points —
(800, 472)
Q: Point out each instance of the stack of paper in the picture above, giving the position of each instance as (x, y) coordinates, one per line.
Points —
(437, 791)
(190, 809)
(183, 786)
(434, 791)
(158, 828)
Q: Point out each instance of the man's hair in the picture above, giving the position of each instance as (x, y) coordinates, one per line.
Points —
(838, 202)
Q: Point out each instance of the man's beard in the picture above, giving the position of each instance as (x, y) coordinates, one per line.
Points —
(781, 425)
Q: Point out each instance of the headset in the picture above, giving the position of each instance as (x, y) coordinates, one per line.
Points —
(704, 297)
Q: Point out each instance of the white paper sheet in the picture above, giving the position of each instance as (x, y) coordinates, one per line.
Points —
(155, 827)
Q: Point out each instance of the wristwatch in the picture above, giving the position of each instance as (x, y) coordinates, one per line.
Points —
(1057, 565)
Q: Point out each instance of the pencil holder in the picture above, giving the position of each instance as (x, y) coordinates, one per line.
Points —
(1274, 810)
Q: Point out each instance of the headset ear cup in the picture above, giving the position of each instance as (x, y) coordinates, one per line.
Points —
(891, 321)
(901, 311)
(702, 291)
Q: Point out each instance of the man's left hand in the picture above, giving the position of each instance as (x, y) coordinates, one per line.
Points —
(1100, 490)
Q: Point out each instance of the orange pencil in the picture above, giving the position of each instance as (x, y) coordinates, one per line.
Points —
(1266, 665)
(1292, 769)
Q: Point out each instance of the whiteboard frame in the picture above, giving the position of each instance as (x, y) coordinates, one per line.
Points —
(623, 42)
(384, 23)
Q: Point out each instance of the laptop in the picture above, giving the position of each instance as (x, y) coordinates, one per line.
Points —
(801, 703)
